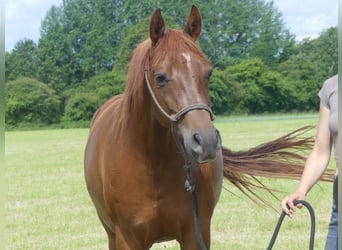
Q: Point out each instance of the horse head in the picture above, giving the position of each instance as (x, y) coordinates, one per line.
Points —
(177, 77)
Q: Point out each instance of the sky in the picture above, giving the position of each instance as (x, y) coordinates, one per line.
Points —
(304, 18)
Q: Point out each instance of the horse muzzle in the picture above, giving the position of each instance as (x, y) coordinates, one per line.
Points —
(202, 145)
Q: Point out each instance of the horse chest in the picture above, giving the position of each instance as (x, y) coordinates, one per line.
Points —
(148, 198)
(152, 217)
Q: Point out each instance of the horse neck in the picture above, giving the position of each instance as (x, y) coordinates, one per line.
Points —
(145, 129)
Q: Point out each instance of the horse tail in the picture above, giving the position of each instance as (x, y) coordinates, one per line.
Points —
(283, 157)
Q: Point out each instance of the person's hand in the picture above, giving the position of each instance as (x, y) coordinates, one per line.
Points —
(287, 203)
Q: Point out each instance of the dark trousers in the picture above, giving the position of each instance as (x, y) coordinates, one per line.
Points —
(332, 238)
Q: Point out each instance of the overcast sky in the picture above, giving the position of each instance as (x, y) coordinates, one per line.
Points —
(304, 18)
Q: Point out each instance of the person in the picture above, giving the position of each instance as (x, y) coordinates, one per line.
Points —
(318, 159)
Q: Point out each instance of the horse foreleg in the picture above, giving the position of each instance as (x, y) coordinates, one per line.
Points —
(190, 242)
(115, 240)
(111, 236)
(121, 243)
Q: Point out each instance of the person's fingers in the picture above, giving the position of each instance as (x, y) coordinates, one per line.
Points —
(287, 207)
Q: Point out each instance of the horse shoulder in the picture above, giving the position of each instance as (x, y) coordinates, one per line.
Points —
(110, 104)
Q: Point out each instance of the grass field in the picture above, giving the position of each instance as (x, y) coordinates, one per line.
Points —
(48, 206)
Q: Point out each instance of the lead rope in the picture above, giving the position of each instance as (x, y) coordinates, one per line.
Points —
(190, 180)
(190, 187)
(281, 218)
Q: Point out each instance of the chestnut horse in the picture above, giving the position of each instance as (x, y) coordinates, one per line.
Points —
(140, 141)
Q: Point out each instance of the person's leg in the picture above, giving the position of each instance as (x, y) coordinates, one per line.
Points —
(332, 238)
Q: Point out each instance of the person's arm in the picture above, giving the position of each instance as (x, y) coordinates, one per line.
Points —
(316, 162)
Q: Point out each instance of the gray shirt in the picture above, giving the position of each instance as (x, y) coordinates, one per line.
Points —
(329, 97)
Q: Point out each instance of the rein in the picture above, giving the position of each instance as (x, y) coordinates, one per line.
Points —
(281, 218)
(190, 180)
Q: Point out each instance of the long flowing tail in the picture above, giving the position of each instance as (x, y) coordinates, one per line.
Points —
(281, 158)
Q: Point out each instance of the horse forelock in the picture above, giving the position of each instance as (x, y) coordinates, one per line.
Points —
(173, 43)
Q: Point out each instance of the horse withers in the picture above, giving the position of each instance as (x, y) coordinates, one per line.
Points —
(140, 140)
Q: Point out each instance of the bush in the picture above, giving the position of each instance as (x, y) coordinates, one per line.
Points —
(31, 101)
(81, 107)
(82, 102)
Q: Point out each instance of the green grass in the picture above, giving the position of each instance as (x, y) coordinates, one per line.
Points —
(48, 206)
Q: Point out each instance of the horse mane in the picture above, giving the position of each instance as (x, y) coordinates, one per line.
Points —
(133, 95)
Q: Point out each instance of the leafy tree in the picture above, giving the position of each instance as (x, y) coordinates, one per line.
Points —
(225, 93)
(273, 43)
(78, 41)
(239, 29)
(22, 61)
(137, 33)
(325, 51)
(84, 38)
(312, 63)
(305, 77)
(261, 89)
(218, 93)
(31, 101)
(93, 34)
(81, 107)
(57, 66)
(86, 45)
(278, 95)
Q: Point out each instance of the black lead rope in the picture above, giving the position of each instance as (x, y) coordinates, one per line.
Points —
(196, 220)
(190, 187)
(281, 218)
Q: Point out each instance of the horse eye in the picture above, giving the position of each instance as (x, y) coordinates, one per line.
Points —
(161, 79)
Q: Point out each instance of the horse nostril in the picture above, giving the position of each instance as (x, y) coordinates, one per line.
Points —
(198, 138)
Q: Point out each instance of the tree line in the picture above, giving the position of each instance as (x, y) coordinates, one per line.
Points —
(85, 47)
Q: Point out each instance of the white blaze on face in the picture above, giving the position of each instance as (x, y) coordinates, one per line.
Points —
(187, 58)
(188, 64)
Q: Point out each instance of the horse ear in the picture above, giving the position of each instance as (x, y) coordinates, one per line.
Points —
(157, 26)
(194, 25)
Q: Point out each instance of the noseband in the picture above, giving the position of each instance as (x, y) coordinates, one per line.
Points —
(174, 118)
